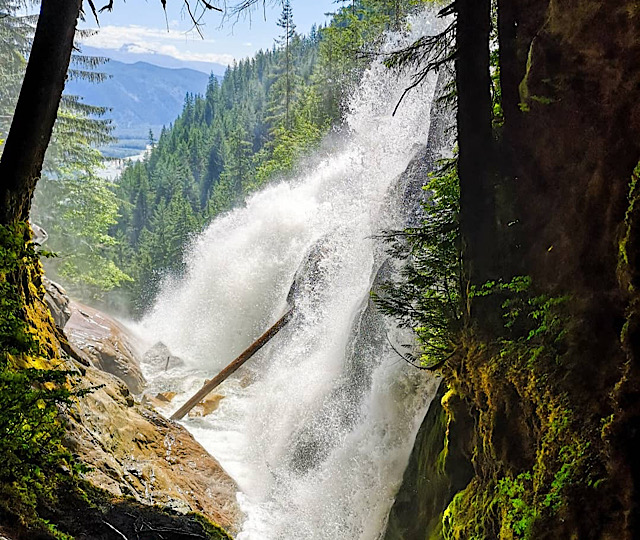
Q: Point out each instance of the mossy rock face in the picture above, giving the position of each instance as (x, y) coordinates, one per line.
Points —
(557, 418)
(41, 495)
(435, 473)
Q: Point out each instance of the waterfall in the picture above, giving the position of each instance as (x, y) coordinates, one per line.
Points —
(317, 428)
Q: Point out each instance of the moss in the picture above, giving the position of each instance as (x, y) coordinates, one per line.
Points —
(434, 474)
(523, 87)
(628, 241)
(32, 385)
(535, 458)
(41, 495)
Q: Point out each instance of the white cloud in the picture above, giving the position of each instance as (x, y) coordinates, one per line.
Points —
(113, 37)
(172, 50)
(140, 39)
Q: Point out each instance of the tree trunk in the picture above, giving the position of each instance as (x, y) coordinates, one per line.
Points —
(37, 108)
(511, 72)
(475, 138)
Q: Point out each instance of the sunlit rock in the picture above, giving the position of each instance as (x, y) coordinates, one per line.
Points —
(58, 302)
(206, 406)
(107, 343)
(167, 397)
(134, 451)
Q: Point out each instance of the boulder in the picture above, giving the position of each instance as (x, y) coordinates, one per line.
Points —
(56, 298)
(159, 401)
(107, 343)
(167, 397)
(160, 357)
(134, 451)
(206, 406)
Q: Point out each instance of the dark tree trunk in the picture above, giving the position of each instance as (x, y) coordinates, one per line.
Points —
(510, 76)
(37, 108)
(510, 70)
(477, 213)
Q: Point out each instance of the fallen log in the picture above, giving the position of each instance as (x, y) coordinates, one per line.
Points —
(232, 367)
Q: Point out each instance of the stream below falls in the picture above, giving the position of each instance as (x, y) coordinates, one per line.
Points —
(317, 428)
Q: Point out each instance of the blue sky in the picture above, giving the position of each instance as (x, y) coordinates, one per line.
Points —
(143, 27)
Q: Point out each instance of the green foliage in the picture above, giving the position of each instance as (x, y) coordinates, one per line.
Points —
(528, 316)
(519, 504)
(75, 205)
(15, 34)
(72, 203)
(429, 294)
(32, 459)
(517, 381)
(628, 237)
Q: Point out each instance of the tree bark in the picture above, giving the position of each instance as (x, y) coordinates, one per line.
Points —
(510, 71)
(477, 212)
(37, 108)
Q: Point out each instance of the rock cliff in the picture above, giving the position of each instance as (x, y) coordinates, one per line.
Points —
(547, 379)
(130, 448)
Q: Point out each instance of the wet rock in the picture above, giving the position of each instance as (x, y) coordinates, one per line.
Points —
(178, 506)
(107, 343)
(340, 409)
(167, 397)
(248, 379)
(206, 406)
(441, 139)
(134, 451)
(58, 302)
(159, 401)
(40, 236)
(311, 273)
(160, 357)
(153, 401)
(436, 471)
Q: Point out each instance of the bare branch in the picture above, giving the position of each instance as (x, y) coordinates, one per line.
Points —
(429, 52)
(93, 10)
(114, 529)
(209, 6)
(108, 7)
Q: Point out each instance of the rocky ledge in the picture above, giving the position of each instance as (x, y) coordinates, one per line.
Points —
(131, 449)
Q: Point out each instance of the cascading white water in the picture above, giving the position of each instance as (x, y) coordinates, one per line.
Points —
(318, 427)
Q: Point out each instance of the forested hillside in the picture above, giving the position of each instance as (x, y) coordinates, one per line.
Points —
(267, 113)
(140, 97)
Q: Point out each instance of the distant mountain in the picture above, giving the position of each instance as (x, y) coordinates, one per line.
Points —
(130, 53)
(141, 96)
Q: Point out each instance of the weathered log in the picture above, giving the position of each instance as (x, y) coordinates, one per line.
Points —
(232, 367)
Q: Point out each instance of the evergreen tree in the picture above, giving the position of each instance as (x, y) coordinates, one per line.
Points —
(72, 202)
(285, 40)
(254, 125)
